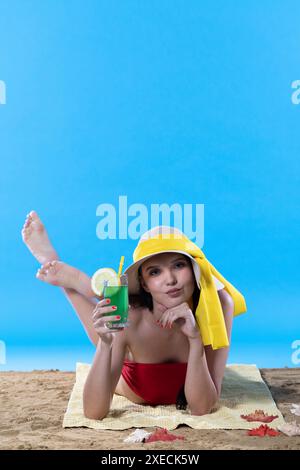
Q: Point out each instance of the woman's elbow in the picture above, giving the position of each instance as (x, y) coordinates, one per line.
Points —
(200, 411)
(92, 408)
(92, 414)
(204, 409)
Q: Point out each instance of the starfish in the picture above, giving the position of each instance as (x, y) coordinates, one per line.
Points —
(259, 415)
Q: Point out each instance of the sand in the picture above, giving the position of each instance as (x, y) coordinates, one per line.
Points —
(32, 406)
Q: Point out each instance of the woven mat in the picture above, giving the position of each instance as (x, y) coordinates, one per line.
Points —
(243, 392)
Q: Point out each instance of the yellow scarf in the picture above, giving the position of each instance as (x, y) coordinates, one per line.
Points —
(209, 313)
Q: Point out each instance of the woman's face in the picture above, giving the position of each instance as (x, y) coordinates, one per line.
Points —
(165, 272)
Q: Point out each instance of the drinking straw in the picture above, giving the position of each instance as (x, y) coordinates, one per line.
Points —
(121, 266)
(104, 286)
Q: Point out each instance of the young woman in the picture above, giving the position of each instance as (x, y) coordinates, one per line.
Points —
(160, 357)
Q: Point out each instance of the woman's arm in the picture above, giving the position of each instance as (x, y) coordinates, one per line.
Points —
(206, 367)
(216, 359)
(97, 388)
(199, 388)
(103, 377)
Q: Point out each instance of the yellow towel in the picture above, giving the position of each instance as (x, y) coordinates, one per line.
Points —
(243, 392)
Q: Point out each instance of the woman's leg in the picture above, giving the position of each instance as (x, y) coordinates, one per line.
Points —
(60, 274)
(74, 283)
(84, 309)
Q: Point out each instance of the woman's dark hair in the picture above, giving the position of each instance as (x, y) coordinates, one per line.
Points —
(144, 299)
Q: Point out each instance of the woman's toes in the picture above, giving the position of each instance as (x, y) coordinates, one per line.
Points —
(26, 225)
(53, 265)
(47, 272)
(44, 272)
(41, 276)
(46, 265)
(35, 218)
(25, 233)
(49, 267)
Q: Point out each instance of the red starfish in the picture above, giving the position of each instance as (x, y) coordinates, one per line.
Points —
(162, 435)
(259, 415)
(263, 430)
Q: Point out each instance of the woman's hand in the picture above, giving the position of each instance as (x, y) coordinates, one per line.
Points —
(182, 317)
(100, 318)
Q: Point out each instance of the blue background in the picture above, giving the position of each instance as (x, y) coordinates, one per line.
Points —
(164, 102)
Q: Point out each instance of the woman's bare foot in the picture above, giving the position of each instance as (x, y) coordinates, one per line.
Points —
(61, 274)
(35, 237)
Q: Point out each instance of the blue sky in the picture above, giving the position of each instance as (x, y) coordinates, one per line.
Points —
(164, 102)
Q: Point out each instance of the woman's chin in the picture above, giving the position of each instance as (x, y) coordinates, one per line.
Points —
(176, 302)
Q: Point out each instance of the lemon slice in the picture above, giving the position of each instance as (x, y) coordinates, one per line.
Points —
(102, 275)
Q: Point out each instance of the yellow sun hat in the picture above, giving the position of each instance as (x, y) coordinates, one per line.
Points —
(209, 313)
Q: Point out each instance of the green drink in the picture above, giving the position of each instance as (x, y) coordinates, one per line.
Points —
(118, 296)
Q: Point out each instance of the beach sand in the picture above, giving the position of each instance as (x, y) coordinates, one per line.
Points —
(32, 406)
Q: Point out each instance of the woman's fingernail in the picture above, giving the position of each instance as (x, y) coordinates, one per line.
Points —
(107, 301)
(118, 317)
(114, 307)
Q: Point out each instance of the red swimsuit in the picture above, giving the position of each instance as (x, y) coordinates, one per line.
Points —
(157, 384)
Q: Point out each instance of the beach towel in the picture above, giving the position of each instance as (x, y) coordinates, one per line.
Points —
(243, 392)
